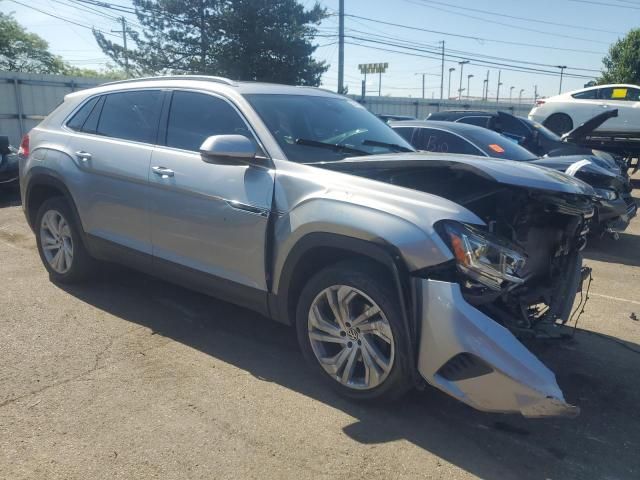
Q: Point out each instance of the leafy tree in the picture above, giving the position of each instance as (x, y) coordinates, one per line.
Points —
(21, 51)
(108, 73)
(267, 40)
(271, 41)
(622, 64)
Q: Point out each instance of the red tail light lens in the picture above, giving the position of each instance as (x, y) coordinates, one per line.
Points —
(539, 102)
(24, 146)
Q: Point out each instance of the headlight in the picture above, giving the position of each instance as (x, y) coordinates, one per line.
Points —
(605, 194)
(484, 257)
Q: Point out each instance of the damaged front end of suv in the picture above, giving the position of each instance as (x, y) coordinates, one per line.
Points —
(512, 278)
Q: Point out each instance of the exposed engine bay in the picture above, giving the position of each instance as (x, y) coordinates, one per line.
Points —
(537, 266)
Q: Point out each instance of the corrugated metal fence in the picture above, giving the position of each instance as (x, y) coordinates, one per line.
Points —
(420, 108)
(25, 99)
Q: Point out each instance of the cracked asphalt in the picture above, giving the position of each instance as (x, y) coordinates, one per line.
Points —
(132, 377)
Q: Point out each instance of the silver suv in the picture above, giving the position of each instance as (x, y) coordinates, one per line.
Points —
(395, 267)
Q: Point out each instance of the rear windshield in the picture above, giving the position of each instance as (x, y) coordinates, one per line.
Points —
(499, 146)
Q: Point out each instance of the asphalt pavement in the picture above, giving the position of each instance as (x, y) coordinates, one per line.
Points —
(131, 377)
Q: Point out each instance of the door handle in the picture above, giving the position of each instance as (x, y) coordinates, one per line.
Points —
(162, 172)
(83, 156)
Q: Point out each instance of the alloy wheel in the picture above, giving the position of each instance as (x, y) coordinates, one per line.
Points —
(351, 337)
(56, 241)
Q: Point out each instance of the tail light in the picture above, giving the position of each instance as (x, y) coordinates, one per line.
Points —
(24, 146)
(539, 102)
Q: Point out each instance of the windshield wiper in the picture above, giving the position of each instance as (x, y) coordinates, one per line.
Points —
(393, 146)
(331, 146)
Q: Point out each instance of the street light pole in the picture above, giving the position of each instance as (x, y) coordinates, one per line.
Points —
(452, 69)
(511, 94)
(561, 67)
(499, 85)
(462, 63)
(469, 77)
(520, 97)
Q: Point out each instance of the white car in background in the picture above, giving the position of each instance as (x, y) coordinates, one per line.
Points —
(565, 112)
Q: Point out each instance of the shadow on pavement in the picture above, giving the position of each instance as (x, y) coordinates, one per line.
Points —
(9, 196)
(624, 251)
(597, 372)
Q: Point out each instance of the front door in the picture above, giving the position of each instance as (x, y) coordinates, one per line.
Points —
(208, 220)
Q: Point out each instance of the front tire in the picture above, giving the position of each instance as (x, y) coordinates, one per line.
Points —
(559, 123)
(59, 243)
(351, 332)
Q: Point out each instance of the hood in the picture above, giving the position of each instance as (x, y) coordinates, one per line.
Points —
(586, 168)
(507, 172)
(562, 163)
(577, 134)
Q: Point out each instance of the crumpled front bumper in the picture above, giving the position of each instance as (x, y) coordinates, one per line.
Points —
(471, 357)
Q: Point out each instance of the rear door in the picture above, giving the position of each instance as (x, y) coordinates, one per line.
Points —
(626, 100)
(208, 220)
(111, 145)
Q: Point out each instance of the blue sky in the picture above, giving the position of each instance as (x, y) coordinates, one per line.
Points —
(580, 42)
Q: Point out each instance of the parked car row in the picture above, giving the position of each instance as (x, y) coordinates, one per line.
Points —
(501, 135)
(395, 266)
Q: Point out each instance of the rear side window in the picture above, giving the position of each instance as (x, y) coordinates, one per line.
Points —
(131, 115)
(479, 121)
(195, 116)
(405, 132)
(586, 95)
(77, 121)
(433, 140)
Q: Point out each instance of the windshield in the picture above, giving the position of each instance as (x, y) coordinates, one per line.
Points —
(499, 146)
(319, 129)
(542, 130)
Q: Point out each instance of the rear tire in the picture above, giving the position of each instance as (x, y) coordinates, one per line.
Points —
(59, 243)
(559, 123)
(352, 333)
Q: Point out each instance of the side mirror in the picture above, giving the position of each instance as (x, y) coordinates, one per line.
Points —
(4, 145)
(231, 149)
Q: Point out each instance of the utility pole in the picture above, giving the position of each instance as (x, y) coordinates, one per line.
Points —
(561, 67)
(441, 75)
(486, 81)
(499, 85)
(449, 90)
(469, 77)
(341, 48)
(123, 21)
(462, 63)
(424, 74)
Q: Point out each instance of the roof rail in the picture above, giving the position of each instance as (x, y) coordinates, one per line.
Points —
(203, 78)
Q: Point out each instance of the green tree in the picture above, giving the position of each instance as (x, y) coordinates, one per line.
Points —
(267, 40)
(21, 51)
(271, 41)
(622, 63)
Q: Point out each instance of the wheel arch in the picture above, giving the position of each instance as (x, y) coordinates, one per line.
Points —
(318, 250)
(41, 185)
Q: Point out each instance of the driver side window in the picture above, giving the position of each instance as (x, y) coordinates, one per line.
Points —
(195, 116)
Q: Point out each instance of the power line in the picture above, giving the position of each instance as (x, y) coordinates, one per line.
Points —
(467, 53)
(504, 15)
(513, 68)
(60, 18)
(542, 32)
(615, 5)
(469, 37)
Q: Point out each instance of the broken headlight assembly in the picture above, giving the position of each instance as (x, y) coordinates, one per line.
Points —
(483, 256)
